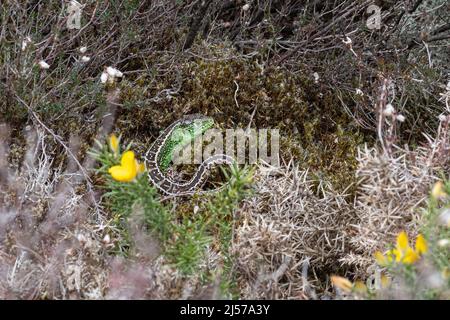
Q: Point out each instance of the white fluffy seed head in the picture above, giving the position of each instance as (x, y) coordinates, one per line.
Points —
(389, 110)
(106, 239)
(443, 243)
(25, 43)
(81, 238)
(43, 65)
(104, 77)
(110, 74)
(347, 41)
(111, 71)
(444, 217)
(316, 77)
(114, 73)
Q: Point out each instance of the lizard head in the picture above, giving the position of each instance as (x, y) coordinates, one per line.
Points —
(186, 130)
(196, 123)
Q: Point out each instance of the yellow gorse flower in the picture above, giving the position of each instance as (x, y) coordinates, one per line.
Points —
(385, 281)
(403, 253)
(438, 191)
(402, 241)
(140, 167)
(445, 273)
(381, 259)
(359, 287)
(114, 143)
(342, 283)
(346, 286)
(128, 169)
(421, 245)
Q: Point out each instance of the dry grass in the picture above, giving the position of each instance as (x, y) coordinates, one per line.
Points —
(295, 231)
(288, 238)
(289, 225)
(284, 64)
(50, 247)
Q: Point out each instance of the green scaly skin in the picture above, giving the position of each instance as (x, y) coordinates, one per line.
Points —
(180, 138)
(161, 153)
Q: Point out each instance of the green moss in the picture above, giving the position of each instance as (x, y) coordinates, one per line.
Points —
(314, 127)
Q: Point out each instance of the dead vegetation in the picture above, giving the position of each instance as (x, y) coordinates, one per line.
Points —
(50, 248)
(295, 232)
(288, 237)
(357, 108)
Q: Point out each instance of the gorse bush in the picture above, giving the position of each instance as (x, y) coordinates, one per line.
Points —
(419, 271)
(185, 239)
